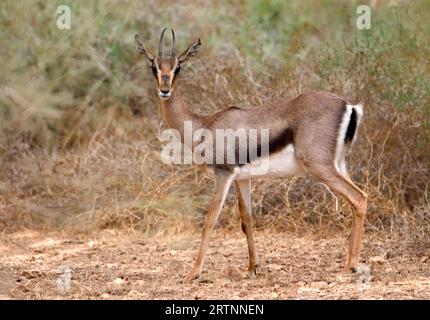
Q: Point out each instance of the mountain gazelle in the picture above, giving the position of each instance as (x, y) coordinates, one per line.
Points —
(308, 134)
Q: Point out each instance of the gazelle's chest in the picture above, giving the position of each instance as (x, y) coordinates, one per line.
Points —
(280, 164)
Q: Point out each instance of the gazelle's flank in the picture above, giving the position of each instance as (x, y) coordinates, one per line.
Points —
(308, 134)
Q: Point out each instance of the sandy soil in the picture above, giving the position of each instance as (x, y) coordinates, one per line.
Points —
(117, 265)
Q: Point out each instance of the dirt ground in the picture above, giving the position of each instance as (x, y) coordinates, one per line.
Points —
(120, 265)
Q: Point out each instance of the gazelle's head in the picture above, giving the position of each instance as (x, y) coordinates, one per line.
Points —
(166, 68)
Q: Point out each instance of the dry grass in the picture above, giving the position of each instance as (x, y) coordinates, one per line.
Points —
(80, 121)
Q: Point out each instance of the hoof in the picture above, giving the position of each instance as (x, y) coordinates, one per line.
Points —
(191, 277)
(356, 268)
(351, 267)
(252, 272)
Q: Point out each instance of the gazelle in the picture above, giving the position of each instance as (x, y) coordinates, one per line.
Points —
(308, 134)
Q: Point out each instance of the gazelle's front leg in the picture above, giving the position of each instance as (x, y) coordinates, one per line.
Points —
(244, 197)
(223, 180)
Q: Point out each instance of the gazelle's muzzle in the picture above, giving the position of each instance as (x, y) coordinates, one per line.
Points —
(164, 94)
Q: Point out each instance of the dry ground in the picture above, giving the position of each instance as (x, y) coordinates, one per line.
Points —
(116, 265)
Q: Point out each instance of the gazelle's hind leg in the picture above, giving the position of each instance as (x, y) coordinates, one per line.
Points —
(244, 198)
(341, 183)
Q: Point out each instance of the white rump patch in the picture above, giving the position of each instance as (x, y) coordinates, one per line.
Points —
(339, 159)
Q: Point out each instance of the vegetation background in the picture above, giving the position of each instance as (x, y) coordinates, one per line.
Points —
(80, 121)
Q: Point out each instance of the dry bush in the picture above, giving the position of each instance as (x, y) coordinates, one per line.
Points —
(81, 125)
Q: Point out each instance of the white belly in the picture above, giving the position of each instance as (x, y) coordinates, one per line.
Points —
(280, 164)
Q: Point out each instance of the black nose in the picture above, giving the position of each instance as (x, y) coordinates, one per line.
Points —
(165, 91)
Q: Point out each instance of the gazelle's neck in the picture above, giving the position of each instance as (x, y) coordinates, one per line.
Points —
(175, 113)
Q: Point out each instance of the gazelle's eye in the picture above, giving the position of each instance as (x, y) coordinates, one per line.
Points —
(177, 70)
(154, 70)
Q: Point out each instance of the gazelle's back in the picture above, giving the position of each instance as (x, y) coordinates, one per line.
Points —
(309, 122)
(313, 106)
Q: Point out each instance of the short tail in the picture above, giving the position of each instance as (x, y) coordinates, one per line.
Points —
(354, 121)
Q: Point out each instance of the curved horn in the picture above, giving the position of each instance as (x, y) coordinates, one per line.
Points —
(160, 45)
(173, 43)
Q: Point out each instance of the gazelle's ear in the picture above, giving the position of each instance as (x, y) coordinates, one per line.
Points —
(190, 52)
(141, 49)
